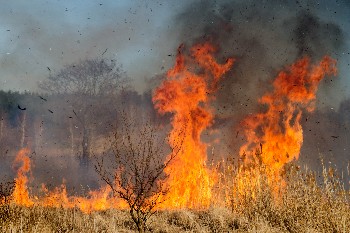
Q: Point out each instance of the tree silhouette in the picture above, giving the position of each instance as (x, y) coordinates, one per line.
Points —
(87, 83)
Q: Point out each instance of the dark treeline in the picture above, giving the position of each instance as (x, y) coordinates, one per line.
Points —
(49, 125)
(41, 121)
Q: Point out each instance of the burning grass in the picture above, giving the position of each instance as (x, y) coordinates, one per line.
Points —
(265, 193)
(308, 203)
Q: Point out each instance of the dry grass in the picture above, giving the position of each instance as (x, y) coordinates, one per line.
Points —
(39, 219)
(308, 204)
(43, 219)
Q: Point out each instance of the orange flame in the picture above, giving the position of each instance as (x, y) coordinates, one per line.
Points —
(96, 200)
(56, 198)
(278, 130)
(101, 199)
(20, 194)
(185, 93)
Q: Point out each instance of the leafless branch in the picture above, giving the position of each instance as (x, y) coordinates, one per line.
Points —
(137, 171)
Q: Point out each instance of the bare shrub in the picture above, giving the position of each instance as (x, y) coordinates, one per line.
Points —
(136, 171)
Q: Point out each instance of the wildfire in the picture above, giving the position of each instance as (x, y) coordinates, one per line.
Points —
(274, 137)
(277, 132)
(20, 194)
(101, 199)
(186, 94)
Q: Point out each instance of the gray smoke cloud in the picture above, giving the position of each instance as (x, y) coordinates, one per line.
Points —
(265, 37)
(41, 34)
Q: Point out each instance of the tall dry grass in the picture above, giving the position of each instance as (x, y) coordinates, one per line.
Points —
(308, 202)
(297, 201)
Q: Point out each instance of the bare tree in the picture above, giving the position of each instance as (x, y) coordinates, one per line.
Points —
(136, 172)
(88, 82)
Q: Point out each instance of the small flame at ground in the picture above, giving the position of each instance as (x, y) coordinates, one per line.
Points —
(101, 199)
(20, 194)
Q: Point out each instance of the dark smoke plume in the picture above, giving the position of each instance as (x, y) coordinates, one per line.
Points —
(264, 37)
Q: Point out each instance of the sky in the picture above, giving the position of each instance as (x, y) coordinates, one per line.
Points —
(42, 36)
(38, 34)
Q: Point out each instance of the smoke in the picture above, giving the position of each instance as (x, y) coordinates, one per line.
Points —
(264, 37)
(327, 139)
(41, 34)
(313, 37)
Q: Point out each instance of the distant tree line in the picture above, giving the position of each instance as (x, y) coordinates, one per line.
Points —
(74, 111)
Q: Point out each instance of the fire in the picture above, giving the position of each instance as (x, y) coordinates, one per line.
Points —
(56, 198)
(186, 93)
(277, 132)
(20, 194)
(96, 200)
(101, 199)
(274, 136)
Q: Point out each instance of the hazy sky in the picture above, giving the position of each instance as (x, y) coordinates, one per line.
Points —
(39, 34)
(143, 35)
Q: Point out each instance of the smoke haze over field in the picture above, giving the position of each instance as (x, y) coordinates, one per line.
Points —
(40, 34)
(143, 36)
(39, 38)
